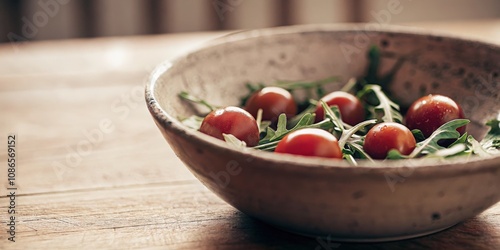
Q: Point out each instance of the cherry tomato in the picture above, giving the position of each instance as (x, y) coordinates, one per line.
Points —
(234, 121)
(310, 142)
(386, 136)
(350, 107)
(273, 101)
(430, 112)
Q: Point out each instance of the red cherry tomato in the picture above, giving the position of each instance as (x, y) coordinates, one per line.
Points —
(310, 142)
(386, 136)
(273, 101)
(234, 121)
(430, 112)
(350, 107)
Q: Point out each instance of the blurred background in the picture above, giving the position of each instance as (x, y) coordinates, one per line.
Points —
(22, 20)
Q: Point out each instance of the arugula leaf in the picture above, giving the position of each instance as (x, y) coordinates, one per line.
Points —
(373, 64)
(186, 96)
(309, 110)
(357, 147)
(251, 89)
(231, 139)
(476, 147)
(269, 134)
(193, 122)
(313, 89)
(461, 139)
(333, 122)
(262, 125)
(375, 55)
(346, 135)
(450, 151)
(333, 115)
(491, 141)
(350, 85)
(394, 154)
(348, 155)
(317, 86)
(269, 146)
(380, 105)
(419, 136)
(281, 127)
(446, 131)
(385, 80)
(293, 85)
(349, 133)
(272, 136)
(465, 145)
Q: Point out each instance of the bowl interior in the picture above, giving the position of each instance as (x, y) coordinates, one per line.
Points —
(466, 71)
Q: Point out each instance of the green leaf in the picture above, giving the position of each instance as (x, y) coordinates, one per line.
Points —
(332, 113)
(347, 134)
(294, 85)
(305, 121)
(193, 122)
(461, 139)
(372, 75)
(452, 150)
(373, 64)
(380, 105)
(281, 127)
(465, 141)
(350, 85)
(419, 136)
(186, 96)
(385, 80)
(491, 141)
(357, 147)
(231, 139)
(394, 154)
(259, 119)
(309, 110)
(446, 131)
(312, 89)
(477, 148)
(269, 134)
(272, 137)
(262, 125)
(251, 89)
(349, 157)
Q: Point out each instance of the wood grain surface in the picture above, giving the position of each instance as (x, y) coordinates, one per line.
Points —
(126, 188)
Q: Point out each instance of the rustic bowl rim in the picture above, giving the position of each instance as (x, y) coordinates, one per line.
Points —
(458, 165)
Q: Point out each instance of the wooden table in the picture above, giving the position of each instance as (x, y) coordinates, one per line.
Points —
(94, 172)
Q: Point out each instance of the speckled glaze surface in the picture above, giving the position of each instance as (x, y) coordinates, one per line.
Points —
(312, 196)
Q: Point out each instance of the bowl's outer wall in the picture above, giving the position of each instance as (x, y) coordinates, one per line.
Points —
(330, 201)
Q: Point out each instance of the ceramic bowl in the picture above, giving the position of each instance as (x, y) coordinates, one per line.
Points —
(380, 201)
